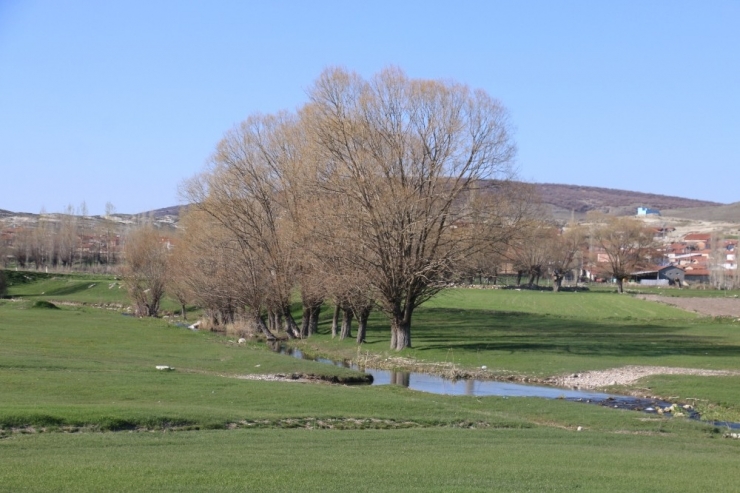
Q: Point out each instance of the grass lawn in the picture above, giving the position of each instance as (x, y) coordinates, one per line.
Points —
(541, 333)
(82, 407)
(423, 460)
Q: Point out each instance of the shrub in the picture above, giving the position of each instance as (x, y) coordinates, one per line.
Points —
(45, 305)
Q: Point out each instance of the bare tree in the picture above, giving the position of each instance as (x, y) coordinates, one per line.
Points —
(531, 250)
(566, 248)
(22, 246)
(145, 269)
(245, 190)
(67, 238)
(408, 155)
(626, 244)
(219, 275)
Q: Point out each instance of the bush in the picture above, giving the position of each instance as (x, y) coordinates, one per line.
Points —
(3, 284)
(45, 305)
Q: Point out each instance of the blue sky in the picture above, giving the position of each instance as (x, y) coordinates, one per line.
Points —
(120, 101)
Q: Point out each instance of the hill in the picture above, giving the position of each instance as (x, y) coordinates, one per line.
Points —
(563, 201)
(567, 200)
(728, 213)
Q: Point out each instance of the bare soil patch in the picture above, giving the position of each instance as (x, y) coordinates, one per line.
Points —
(626, 375)
(714, 307)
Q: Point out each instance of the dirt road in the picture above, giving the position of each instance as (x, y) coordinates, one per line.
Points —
(714, 307)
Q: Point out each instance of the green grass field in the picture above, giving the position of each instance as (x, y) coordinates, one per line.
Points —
(82, 407)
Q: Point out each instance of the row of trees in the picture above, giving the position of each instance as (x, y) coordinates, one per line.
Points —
(371, 195)
(608, 246)
(63, 241)
(376, 193)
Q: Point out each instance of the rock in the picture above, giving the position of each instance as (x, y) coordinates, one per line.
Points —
(241, 340)
(484, 367)
(580, 428)
(164, 368)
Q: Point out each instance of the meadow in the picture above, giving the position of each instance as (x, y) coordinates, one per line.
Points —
(83, 408)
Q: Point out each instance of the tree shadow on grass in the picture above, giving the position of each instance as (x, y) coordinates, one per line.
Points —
(65, 290)
(516, 332)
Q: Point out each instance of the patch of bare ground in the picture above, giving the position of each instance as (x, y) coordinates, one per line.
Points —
(626, 375)
(280, 377)
(713, 307)
(304, 378)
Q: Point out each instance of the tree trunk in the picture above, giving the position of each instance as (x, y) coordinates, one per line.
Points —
(183, 312)
(291, 328)
(273, 321)
(400, 333)
(346, 324)
(313, 321)
(305, 320)
(362, 323)
(557, 282)
(262, 327)
(620, 285)
(519, 275)
(335, 321)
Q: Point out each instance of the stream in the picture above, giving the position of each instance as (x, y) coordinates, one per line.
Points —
(438, 385)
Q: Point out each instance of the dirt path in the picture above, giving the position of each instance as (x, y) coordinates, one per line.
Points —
(714, 307)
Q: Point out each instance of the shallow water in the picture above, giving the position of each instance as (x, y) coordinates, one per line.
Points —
(438, 385)
(434, 384)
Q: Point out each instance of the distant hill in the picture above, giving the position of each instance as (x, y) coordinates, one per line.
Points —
(174, 211)
(565, 200)
(728, 213)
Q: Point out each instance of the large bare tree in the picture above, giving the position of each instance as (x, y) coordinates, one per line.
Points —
(410, 162)
(246, 190)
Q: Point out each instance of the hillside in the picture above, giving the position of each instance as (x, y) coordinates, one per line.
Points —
(565, 200)
(728, 213)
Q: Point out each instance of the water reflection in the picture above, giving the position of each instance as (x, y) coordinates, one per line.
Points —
(438, 385)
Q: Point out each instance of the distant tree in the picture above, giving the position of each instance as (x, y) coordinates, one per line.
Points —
(145, 269)
(67, 238)
(3, 284)
(110, 209)
(531, 250)
(177, 276)
(22, 246)
(565, 250)
(627, 244)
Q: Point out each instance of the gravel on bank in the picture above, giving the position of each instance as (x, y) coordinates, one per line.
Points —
(626, 375)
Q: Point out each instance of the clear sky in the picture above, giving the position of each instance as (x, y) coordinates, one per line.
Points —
(120, 101)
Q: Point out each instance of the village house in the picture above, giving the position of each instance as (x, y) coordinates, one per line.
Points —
(660, 276)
